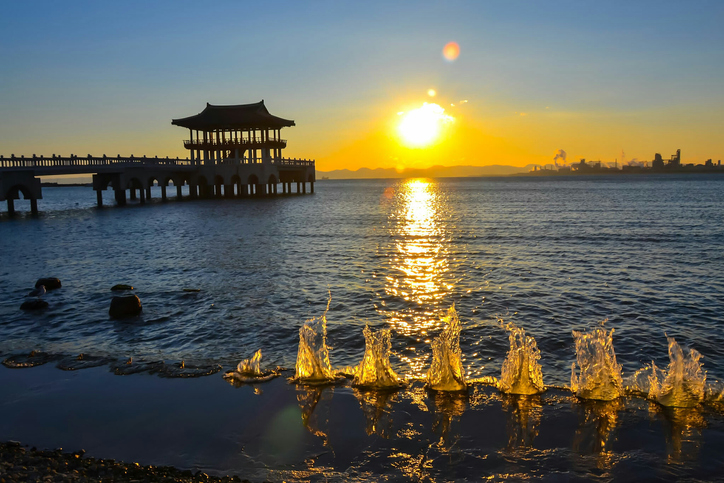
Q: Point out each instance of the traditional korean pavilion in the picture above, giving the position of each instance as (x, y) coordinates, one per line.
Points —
(244, 131)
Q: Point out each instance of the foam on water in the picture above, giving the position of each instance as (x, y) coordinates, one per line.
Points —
(313, 354)
(596, 374)
(521, 373)
(446, 371)
(683, 382)
(374, 371)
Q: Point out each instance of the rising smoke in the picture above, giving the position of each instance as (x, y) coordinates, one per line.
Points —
(560, 155)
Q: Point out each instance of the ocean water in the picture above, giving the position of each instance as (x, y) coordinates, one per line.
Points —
(549, 255)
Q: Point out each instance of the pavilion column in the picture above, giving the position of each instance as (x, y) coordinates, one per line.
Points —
(99, 198)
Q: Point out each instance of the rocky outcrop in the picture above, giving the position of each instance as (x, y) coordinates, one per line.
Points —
(125, 306)
(120, 287)
(34, 304)
(50, 283)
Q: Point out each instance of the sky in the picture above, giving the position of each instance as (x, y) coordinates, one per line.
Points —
(611, 81)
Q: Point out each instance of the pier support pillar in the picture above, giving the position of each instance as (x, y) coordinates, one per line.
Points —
(120, 197)
(275, 188)
(304, 188)
(133, 193)
(228, 191)
(193, 191)
(142, 193)
(99, 198)
(34, 206)
(163, 192)
(311, 187)
(11, 207)
(148, 193)
(179, 192)
(298, 188)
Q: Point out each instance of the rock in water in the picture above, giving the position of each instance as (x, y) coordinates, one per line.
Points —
(35, 304)
(121, 286)
(50, 283)
(126, 306)
(38, 292)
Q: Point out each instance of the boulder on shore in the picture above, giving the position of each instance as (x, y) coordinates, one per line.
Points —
(125, 306)
(35, 304)
(50, 283)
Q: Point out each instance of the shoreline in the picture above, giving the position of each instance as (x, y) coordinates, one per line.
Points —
(276, 431)
(20, 463)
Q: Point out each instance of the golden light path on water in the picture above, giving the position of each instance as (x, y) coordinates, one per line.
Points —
(416, 280)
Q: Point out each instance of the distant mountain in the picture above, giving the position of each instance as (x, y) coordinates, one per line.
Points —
(432, 172)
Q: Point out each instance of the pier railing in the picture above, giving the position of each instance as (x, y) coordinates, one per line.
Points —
(77, 164)
(73, 161)
(220, 143)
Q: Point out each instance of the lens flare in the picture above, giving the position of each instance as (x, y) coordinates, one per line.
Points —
(431, 92)
(451, 51)
(422, 126)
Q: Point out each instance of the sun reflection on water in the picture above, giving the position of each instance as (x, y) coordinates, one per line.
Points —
(416, 285)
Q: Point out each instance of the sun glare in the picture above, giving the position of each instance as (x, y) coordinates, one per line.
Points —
(422, 126)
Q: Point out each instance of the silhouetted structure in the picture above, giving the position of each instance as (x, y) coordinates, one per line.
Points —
(658, 165)
(236, 151)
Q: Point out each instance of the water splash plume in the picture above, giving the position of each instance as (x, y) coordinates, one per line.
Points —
(313, 354)
(682, 384)
(251, 366)
(599, 375)
(446, 372)
(521, 372)
(375, 371)
(249, 370)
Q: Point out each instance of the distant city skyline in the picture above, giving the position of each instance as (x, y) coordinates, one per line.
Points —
(596, 80)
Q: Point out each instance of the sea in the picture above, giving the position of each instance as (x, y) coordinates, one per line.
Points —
(221, 279)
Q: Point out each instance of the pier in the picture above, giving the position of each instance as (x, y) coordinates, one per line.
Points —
(235, 152)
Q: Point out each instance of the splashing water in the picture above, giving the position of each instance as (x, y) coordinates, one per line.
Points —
(250, 367)
(249, 371)
(375, 371)
(600, 374)
(446, 372)
(313, 354)
(682, 384)
(521, 372)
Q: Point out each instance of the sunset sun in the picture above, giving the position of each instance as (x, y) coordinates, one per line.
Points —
(423, 126)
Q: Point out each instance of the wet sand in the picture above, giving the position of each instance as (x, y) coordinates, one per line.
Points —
(279, 431)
